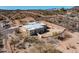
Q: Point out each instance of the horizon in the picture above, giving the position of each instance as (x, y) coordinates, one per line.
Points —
(33, 7)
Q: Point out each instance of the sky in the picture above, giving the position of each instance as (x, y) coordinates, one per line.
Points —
(32, 7)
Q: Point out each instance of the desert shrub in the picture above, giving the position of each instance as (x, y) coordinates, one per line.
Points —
(33, 39)
(46, 48)
(55, 33)
(67, 22)
(1, 43)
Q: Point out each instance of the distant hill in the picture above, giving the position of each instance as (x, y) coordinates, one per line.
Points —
(75, 8)
(52, 9)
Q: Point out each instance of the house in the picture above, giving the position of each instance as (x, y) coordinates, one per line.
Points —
(33, 28)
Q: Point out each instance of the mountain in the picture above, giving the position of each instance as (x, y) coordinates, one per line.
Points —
(52, 9)
(75, 8)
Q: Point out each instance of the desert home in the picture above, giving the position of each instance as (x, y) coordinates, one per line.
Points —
(34, 28)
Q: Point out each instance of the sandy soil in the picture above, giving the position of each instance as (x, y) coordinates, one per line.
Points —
(70, 45)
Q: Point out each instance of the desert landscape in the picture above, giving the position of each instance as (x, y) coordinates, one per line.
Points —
(39, 31)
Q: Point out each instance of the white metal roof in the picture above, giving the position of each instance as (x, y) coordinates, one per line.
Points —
(34, 25)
